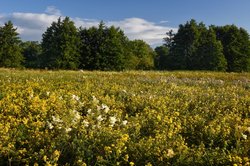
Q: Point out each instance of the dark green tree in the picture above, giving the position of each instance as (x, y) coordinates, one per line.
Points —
(103, 48)
(209, 53)
(161, 59)
(31, 51)
(184, 45)
(194, 47)
(60, 45)
(169, 40)
(10, 51)
(236, 47)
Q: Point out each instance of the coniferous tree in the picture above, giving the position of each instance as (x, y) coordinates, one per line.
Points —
(60, 45)
(10, 51)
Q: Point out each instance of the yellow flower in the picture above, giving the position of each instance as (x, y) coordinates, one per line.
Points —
(45, 158)
(56, 153)
(108, 149)
(126, 157)
(131, 163)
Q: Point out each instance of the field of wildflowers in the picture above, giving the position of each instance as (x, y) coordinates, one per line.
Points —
(124, 118)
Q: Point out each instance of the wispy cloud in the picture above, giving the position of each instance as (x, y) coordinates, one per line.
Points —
(163, 21)
(138, 28)
(53, 11)
(31, 26)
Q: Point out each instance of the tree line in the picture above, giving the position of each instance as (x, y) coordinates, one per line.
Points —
(64, 46)
(198, 47)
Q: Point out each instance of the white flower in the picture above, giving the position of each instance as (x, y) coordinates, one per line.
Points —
(170, 153)
(77, 116)
(50, 125)
(124, 123)
(47, 93)
(112, 120)
(68, 129)
(89, 111)
(95, 100)
(76, 97)
(105, 108)
(98, 108)
(99, 118)
(56, 119)
(85, 123)
(244, 136)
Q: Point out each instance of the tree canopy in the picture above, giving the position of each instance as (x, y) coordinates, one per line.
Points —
(236, 47)
(10, 51)
(102, 48)
(31, 51)
(60, 45)
(194, 46)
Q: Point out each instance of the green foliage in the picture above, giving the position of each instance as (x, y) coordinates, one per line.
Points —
(140, 56)
(10, 51)
(63, 46)
(194, 47)
(60, 45)
(209, 54)
(103, 48)
(185, 45)
(236, 47)
(124, 118)
(31, 50)
(161, 60)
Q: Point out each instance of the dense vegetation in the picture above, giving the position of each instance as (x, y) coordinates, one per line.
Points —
(194, 47)
(124, 118)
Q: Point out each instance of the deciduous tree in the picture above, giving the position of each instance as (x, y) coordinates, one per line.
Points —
(103, 48)
(236, 47)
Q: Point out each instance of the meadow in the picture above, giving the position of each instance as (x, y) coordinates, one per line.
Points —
(124, 118)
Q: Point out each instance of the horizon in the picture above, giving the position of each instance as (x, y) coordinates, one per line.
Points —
(139, 20)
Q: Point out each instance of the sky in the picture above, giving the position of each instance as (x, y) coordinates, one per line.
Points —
(148, 20)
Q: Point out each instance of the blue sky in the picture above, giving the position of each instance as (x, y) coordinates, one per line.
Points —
(140, 19)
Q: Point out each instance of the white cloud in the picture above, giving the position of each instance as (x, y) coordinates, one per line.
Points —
(53, 11)
(138, 28)
(31, 26)
(85, 23)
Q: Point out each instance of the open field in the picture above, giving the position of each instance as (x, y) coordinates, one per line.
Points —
(124, 118)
